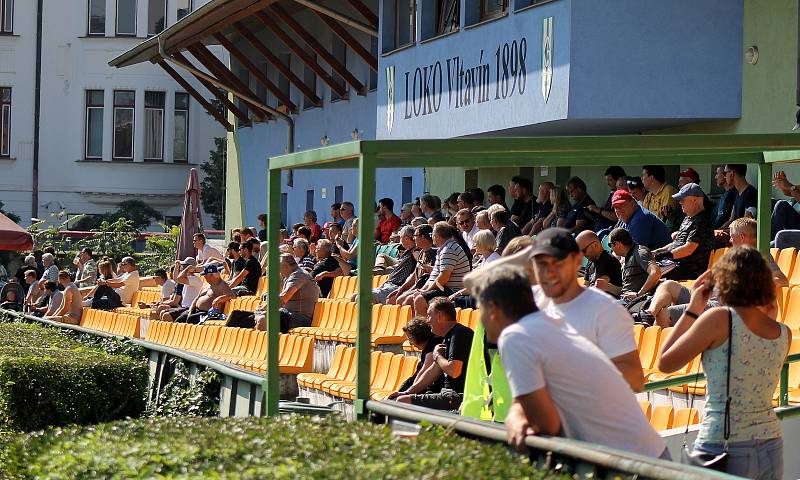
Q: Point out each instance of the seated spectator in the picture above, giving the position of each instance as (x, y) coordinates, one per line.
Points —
(304, 233)
(29, 263)
(671, 298)
(605, 215)
(418, 221)
(451, 206)
(659, 198)
(214, 294)
(119, 289)
(326, 268)
(425, 257)
(86, 276)
(401, 272)
(416, 210)
(453, 263)
(310, 221)
(517, 245)
(522, 210)
(723, 209)
(450, 359)
(348, 213)
(50, 269)
(348, 254)
(645, 228)
(205, 252)
(431, 208)
(505, 228)
(485, 247)
(496, 195)
(298, 297)
(167, 284)
(302, 254)
(172, 299)
(467, 227)
(785, 214)
(554, 373)
(262, 227)
(247, 234)
(405, 214)
(191, 283)
(336, 214)
(746, 197)
(694, 239)
(689, 175)
(579, 218)
(245, 281)
(389, 222)
(478, 196)
(558, 214)
(234, 263)
(34, 292)
(71, 308)
(419, 334)
(640, 273)
(635, 187)
(482, 220)
(602, 270)
(54, 299)
(543, 209)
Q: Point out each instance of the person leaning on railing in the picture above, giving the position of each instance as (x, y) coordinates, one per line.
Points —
(746, 323)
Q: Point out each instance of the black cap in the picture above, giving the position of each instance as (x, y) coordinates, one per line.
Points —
(555, 242)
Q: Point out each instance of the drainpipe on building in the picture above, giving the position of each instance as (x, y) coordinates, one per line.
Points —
(37, 104)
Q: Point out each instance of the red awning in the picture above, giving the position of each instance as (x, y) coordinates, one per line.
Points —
(13, 237)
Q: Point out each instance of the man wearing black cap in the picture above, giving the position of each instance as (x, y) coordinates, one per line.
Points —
(694, 239)
(213, 295)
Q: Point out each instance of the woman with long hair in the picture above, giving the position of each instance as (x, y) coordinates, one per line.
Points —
(743, 349)
(560, 200)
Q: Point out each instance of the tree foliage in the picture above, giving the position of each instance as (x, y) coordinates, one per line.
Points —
(138, 212)
(12, 216)
(212, 187)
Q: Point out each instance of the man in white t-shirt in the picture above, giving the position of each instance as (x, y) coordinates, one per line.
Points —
(205, 252)
(562, 382)
(192, 284)
(127, 283)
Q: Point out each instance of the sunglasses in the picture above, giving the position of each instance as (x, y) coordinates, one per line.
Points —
(583, 250)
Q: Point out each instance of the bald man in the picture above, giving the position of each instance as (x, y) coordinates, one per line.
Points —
(603, 271)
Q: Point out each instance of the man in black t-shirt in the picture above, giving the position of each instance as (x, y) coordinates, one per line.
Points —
(326, 268)
(246, 280)
(693, 241)
(524, 207)
(450, 360)
(601, 266)
(234, 263)
(746, 196)
(579, 218)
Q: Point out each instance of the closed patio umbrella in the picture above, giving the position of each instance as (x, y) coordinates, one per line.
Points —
(191, 221)
(13, 237)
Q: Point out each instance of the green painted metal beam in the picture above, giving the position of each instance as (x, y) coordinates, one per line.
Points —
(318, 157)
(366, 259)
(273, 377)
(764, 210)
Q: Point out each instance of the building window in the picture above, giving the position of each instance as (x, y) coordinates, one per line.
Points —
(94, 124)
(184, 8)
(6, 16)
(338, 193)
(283, 81)
(284, 209)
(339, 52)
(97, 18)
(404, 22)
(407, 187)
(126, 17)
(447, 16)
(493, 8)
(124, 108)
(5, 122)
(154, 126)
(310, 79)
(156, 16)
(309, 200)
(373, 75)
(520, 4)
(180, 148)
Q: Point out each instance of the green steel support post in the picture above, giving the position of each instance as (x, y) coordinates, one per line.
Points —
(784, 386)
(366, 259)
(764, 206)
(273, 379)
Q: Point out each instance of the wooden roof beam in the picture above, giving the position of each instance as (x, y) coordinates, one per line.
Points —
(301, 53)
(256, 72)
(196, 95)
(239, 113)
(284, 69)
(365, 12)
(312, 42)
(350, 41)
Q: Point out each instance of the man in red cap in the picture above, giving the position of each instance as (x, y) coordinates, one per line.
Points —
(689, 175)
(645, 228)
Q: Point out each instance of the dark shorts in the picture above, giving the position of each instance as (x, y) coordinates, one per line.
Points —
(174, 313)
(431, 294)
(291, 320)
(444, 400)
(241, 319)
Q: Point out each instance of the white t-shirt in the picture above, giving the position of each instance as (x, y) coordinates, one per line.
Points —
(130, 286)
(191, 290)
(596, 316)
(208, 252)
(167, 288)
(468, 236)
(593, 400)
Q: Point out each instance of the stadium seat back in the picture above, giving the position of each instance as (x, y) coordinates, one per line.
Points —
(774, 252)
(647, 408)
(638, 331)
(286, 349)
(409, 368)
(336, 361)
(464, 316)
(335, 287)
(786, 259)
(792, 315)
(382, 369)
(685, 416)
(649, 345)
(394, 373)
(350, 317)
(662, 418)
(474, 319)
(347, 364)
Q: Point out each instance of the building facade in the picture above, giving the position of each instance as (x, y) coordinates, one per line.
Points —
(104, 136)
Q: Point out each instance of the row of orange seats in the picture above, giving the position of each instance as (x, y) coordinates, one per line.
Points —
(664, 417)
(110, 322)
(344, 287)
(387, 372)
(239, 346)
(337, 320)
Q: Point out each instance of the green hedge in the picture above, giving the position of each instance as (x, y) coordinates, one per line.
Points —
(252, 448)
(47, 378)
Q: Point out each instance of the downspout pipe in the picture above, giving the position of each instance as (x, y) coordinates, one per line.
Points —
(37, 107)
(253, 101)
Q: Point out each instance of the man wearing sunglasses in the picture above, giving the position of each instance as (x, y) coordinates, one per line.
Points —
(467, 226)
(602, 271)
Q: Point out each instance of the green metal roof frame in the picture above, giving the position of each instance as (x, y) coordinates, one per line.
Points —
(369, 155)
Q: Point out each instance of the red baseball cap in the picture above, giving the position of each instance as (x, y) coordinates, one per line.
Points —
(620, 197)
(691, 173)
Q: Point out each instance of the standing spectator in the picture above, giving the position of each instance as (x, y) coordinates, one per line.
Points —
(497, 196)
(640, 273)
(578, 218)
(505, 228)
(262, 227)
(425, 256)
(450, 359)
(453, 263)
(326, 267)
(214, 294)
(694, 239)
(659, 198)
(245, 282)
(522, 210)
(402, 271)
(561, 207)
(602, 270)
(746, 197)
(645, 228)
(543, 209)
(467, 227)
(389, 222)
(86, 276)
(310, 221)
(605, 214)
(336, 214)
(478, 196)
(419, 334)
(743, 350)
(405, 214)
(348, 214)
(431, 208)
(71, 308)
(555, 373)
(298, 297)
(205, 252)
(725, 205)
(302, 254)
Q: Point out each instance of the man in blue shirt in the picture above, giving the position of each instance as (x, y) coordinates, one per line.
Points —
(645, 228)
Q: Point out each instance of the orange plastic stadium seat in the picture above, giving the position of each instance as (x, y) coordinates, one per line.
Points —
(649, 346)
(662, 417)
(305, 379)
(685, 416)
(302, 359)
(774, 252)
(786, 259)
(654, 368)
(792, 315)
(638, 332)
(346, 389)
(348, 366)
(391, 378)
(647, 408)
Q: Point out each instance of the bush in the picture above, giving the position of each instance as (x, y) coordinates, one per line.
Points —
(182, 396)
(253, 448)
(48, 379)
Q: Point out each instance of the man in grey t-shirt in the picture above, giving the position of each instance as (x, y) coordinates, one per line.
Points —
(298, 297)
(640, 273)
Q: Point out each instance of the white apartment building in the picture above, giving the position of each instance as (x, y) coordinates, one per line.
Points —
(105, 135)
